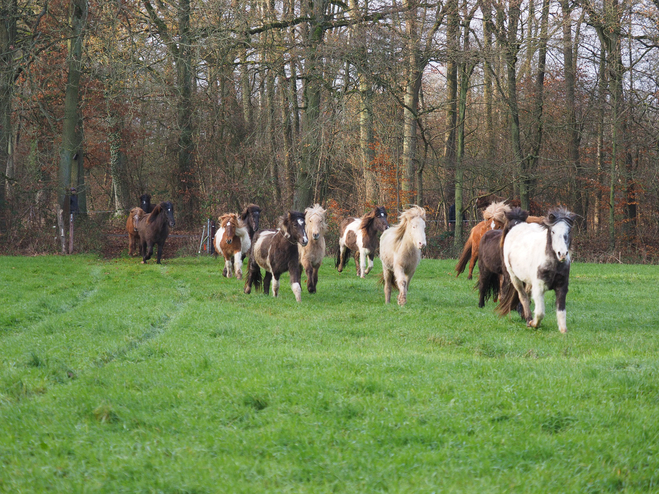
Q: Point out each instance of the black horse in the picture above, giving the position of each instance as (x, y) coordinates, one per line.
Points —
(154, 229)
(145, 203)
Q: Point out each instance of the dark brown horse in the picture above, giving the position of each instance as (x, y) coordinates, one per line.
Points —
(145, 203)
(494, 217)
(153, 229)
(360, 235)
(491, 268)
(251, 216)
(134, 217)
(276, 251)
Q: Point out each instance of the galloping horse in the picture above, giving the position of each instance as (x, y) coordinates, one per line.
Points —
(311, 256)
(493, 219)
(276, 251)
(154, 229)
(537, 259)
(232, 241)
(360, 236)
(490, 261)
(134, 217)
(251, 216)
(400, 251)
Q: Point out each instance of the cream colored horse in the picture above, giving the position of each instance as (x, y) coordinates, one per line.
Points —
(311, 255)
(400, 251)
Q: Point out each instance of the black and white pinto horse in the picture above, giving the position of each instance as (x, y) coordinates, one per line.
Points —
(537, 259)
(276, 251)
(361, 236)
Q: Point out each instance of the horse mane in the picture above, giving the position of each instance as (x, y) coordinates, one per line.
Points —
(557, 215)
(496, 211)
(368, 218)
(514, 217)
(154, 214)
(404, 219)
(316, 209)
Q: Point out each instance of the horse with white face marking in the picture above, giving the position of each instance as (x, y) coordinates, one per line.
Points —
(232, 242)
(361, 236)
(276, 251)
(311, 256)
(400, 251)
(537, 259)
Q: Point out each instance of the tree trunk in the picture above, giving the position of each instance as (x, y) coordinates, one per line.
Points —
(8, 13)
(452, 38)
(601, 101)
(70, 134)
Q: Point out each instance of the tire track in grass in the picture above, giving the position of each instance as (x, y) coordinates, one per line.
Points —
(154, 331)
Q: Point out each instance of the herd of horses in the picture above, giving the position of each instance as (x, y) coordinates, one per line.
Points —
(519, 256)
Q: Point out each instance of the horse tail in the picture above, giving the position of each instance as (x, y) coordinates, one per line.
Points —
(338, 258)
(255, 273)
(488, 285)
(394, 282)
(508, 301)
(464, 258)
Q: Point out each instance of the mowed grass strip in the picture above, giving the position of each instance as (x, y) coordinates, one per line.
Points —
(118, 377)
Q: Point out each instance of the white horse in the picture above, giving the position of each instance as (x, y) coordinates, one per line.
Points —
(311, 255)
(400, 251)
(537, 259)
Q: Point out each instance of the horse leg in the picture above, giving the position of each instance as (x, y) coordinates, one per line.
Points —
(388, 280)
(403, 282)
(362, 262)
(315, 277)
(472, 263)
(311, 285)
(238, 265)
(275, 286)
(131, 244)
(538, 294)
(343, 257)
(148, 252)
(296, 276)
(161, 246)
(225, 271)
(523, 297)
(561, 315)
(370, 256)
(266, 284)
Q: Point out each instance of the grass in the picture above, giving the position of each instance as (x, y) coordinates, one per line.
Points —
(118, 377)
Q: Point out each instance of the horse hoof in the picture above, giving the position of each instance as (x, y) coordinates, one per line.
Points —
(143, 262)
(563, 330)
(469, 277)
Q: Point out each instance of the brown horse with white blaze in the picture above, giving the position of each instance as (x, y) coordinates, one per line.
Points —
(493, 219)
(360, 235)
(233, 242)
(276, 251)
(311, 255)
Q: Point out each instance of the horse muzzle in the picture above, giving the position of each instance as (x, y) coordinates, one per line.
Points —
(421, 245)
(304, 242)
(229, 240)
(316, 236)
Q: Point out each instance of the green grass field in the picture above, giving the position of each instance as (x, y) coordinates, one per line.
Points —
(118, 377)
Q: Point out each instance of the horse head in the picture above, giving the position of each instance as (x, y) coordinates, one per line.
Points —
(417, 226)
(292, 224)
(559, 225)
(376, 219)
(251, 215)
(229, 222)
(314, 218)
(145, 203)
(168, 209)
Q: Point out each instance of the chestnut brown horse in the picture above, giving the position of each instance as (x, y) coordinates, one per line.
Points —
(232, 242)
(135, 215)
(361, 236)
(493, 219)
(153, 229)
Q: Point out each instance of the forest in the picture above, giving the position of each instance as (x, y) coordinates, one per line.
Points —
(214, 104)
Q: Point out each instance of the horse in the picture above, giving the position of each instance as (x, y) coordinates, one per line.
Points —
(400, 251)
(250, 216)
(276, 251)
(360, 236)
(311, 256)
(145, 203)
(493, 219)
(233, 242)
(134, 217)
(490, 261)
(153, 229)
(537, 259)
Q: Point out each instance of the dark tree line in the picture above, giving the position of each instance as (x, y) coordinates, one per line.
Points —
(217, 103)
